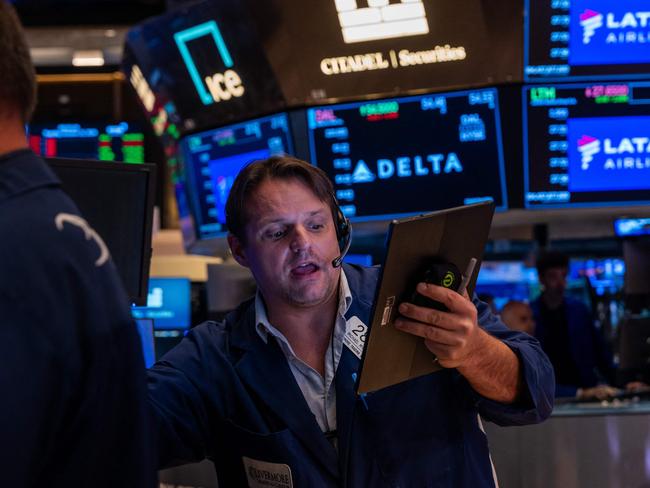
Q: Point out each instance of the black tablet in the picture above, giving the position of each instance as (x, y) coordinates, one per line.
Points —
(448, 241)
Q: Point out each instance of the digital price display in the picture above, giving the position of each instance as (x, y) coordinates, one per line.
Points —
(586, 144)
(112, 142)
(411, 155)
(213, 159)
(581, 39)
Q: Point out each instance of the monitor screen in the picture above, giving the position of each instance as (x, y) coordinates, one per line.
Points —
(503, 281)
(145, 330)
(586, 144)
(632, 227)
(605, 275)
(213, 159)
(581, 39)
(112, 142)
(411, 155)
(117, 201)
(168, 304)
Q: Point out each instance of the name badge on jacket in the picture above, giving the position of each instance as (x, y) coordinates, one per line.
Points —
(261, 474)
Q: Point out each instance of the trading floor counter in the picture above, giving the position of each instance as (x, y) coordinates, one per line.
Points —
(594, 445)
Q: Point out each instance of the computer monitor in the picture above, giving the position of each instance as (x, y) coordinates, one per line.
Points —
(410, 155)
(145, 330)
(107, 142)
(632, 227)
(605, 275)
(586, 144)
(168, 304)
(582, 39)
(504, 281)
(212, 160)
(117, 201)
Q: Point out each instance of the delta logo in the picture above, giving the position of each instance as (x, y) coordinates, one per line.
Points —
(406, 167)
(623, 28)
(590, 20)
(628, 153)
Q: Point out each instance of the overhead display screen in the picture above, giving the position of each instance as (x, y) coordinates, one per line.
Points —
(213, 159)
(411, 155)
(200, 66)
(106, 142)
(358, 47)
(587, 144)
(580, 39)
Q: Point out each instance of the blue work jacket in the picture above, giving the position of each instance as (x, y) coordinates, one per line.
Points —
(588, 348)
(73, 409)
(224, 394)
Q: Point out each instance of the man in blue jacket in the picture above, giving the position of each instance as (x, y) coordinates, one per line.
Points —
(268, 395)
(73, 409)
(565, 328)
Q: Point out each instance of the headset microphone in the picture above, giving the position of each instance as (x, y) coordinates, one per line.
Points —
(336, 262)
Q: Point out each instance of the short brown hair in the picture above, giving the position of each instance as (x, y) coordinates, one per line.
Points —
(17, 76)
(551, 259)
(278, 167)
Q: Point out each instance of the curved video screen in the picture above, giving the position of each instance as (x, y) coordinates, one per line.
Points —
(213, 159)
(580, 39)
(411, 155)
(586, 144)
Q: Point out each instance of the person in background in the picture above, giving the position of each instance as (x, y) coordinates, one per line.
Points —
(565, 327)
(269, 394)
(518, 316)
(73, 411)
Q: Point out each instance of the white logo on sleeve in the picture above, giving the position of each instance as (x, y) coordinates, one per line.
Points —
(355, 335)
(89, 234)
(261, 474)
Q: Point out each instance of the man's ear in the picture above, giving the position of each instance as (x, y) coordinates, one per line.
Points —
(237, 250)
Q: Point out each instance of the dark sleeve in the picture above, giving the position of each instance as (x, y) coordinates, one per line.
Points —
(536, 402)
(177, 398)
(35, 384)
(602, 351)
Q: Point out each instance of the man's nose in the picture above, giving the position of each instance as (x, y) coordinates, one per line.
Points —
(300, 240)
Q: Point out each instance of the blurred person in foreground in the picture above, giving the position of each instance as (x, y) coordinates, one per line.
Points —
(73, 410)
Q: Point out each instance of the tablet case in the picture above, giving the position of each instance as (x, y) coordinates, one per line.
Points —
(453, 235)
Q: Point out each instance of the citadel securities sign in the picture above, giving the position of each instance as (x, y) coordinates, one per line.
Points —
(382, 20)
(609, 153)
(606, 32)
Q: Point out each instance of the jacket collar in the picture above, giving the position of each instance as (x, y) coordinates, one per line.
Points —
(22, 171)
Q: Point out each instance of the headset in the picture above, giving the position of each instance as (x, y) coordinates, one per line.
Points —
(343, 233)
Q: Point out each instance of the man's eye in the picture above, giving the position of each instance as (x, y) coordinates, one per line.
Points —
(317, 226)
(275, 234)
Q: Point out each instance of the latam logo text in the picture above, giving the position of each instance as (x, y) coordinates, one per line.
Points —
(624, 28)
(381, 20)
(215, 87)
(624, 153)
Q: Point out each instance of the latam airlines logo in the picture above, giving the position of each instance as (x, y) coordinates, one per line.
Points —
(623, 28)
(381, 19)
(588, 147)
(590, 20)
(626, 153)
(215, 87)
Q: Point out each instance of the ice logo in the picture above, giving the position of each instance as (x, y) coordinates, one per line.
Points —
(381, 20)
(590, 20)
(588, 147)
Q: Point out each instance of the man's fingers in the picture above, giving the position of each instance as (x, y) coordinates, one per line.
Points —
(428, 332)
(432, 316)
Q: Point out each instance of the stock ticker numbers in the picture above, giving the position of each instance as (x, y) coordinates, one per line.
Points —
(426, 152)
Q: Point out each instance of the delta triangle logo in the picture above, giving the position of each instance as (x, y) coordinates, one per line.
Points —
(362, 173)
(590, 20)
(588, 147)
